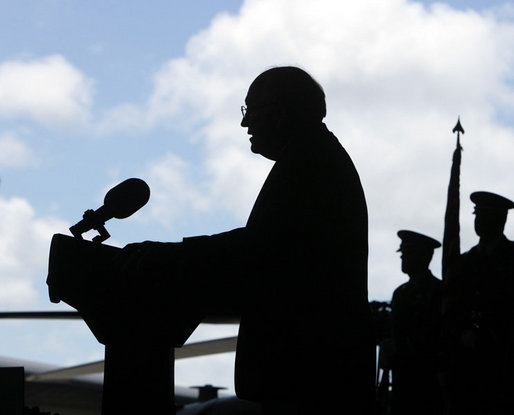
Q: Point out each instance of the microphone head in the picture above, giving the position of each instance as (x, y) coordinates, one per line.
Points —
(126, 198)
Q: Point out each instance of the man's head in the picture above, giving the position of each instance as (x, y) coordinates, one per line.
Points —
(417, 251)
(490, 214)
(281, 102)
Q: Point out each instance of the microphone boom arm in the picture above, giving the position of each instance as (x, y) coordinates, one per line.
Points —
(90, 221)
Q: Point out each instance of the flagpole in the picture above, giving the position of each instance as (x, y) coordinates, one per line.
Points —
(451, 238)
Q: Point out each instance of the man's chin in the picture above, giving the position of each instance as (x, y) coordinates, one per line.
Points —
(254, 148)
(261, 150)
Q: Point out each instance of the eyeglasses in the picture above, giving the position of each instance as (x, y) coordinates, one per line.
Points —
(244, 108)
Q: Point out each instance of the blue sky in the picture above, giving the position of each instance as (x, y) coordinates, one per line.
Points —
(92, 93)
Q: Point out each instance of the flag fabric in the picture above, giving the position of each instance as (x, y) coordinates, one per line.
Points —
(451, 238)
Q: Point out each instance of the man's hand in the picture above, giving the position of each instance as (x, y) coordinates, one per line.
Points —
(147, 263)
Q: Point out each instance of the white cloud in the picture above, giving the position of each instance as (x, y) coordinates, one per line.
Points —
(49, 90)
(396, 75)
(14, 152)
(173, 189)
(24, 246)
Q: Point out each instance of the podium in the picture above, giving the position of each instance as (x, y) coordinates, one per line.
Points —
(140, 324)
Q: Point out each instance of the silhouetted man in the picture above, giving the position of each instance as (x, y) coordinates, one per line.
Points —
(478, 316)
(297, 272)
(416, 318)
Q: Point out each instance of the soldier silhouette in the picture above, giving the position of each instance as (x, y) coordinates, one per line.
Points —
(297, 272)
(478, 316)
(416, 317)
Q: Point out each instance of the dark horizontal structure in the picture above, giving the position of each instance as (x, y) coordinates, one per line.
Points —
(71, 315)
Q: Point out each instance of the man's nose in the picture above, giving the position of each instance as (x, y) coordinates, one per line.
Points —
(244, 122)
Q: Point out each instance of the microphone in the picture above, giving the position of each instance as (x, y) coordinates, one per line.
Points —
(120, 202)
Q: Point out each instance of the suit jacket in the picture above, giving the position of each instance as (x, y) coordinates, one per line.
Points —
(297, 275)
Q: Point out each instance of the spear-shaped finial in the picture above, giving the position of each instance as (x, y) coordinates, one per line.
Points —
(459, 129)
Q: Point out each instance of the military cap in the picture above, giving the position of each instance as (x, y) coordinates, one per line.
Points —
(418, 240)
(488, 200)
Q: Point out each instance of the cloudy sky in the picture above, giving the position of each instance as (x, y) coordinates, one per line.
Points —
(92, 93)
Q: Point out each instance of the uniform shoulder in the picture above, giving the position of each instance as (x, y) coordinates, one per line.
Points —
(435, 281)
(400, 289)
(473, 251)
